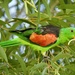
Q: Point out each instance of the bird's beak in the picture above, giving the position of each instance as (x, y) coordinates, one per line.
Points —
(71, 41)
(74, 37)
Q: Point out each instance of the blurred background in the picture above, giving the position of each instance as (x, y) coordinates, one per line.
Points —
(23, 60)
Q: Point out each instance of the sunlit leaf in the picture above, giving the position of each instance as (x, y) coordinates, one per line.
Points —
(4, 4)
(61, 55)
(67, 6)
(25, 20)
(3, 54)
(22, 63)
(71, 67)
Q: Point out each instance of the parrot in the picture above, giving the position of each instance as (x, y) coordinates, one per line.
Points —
(42, 38)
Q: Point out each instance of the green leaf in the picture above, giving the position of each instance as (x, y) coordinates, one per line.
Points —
(43, 18)
(3, 23)
(38, 66)
(67, 6)
(22, 63)
(3, 38)
(71, 67)
(4, 4)
(25, 20)
(38, 12)
(65, 71)
(44, 71)
(16, 24)
(26, 8)
(59, 22)
(6, 70)
(47, 8)
(61, 55)
(69, 19)
(3, 54)
(61, 2)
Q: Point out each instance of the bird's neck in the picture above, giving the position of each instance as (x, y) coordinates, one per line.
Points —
(63, 38)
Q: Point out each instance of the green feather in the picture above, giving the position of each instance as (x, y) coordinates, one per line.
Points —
(9, 43)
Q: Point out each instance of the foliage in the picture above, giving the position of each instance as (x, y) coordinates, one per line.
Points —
(23, 60)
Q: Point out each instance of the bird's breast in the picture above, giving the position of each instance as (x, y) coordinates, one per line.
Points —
(43, 40)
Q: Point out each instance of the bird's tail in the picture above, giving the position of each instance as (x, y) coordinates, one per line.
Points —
(13, 42)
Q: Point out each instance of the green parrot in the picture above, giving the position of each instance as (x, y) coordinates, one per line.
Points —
(42, 38)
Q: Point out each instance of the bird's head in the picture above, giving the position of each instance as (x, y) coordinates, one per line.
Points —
(68, 32)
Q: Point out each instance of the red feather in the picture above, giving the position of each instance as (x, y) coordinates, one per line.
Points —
(43, 40)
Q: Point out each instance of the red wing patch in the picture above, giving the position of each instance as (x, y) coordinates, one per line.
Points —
(43, 40)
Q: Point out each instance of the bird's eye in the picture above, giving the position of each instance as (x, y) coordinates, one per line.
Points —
(71, 30)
